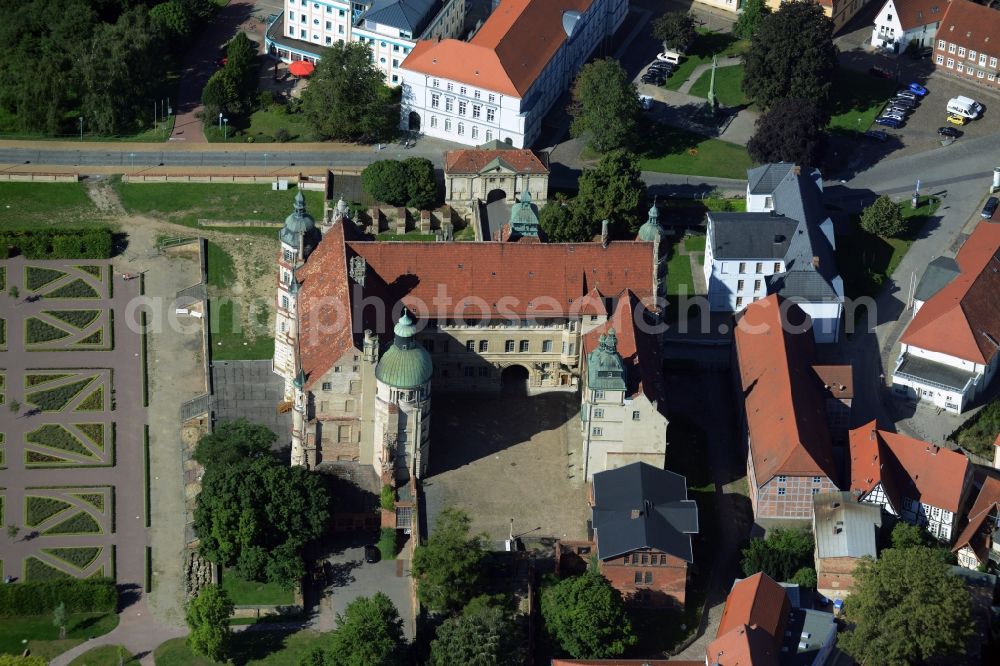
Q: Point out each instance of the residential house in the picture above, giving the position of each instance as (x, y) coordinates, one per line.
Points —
(643, 522)
(501, 83)
(789, 448)
(903, 22)
(783, 244)
(760, 626)
(979, 542)
(391, 28)
(845, 531)
(949, 350)
(968, 42)
(919, 482)
(839, 11)
(623, 410)
(496, 173)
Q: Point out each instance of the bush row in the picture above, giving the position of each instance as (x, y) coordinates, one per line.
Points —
(90, 595)
(89, 243)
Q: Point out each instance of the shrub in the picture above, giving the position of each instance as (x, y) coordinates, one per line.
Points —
(59, 243)
(281, 135)
(35, 569)
(883, 218)
(57, 437)
(81, 523)
(93, 402)
(54, 399)
(40, 509)
(38, 331)
(78, 557)
(387, 543)
(388, 497)
(37, 277)
(78, 318)
(90, 595)
(32, 380)
(75, 289)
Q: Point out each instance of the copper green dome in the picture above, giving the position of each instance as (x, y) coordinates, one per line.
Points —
(651, 229)
(405, 364)
(605, 368)
(298, 223)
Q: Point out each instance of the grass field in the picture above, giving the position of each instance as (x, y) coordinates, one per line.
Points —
(679, 278)
(9, 131)
(271, 648)
(250, 593)
(106, 655)
(43, 636)
(728, 82)
(229, 344)
(33, 205)
(672, 150)
(706, 45)
(220, 267)
(263, 125)
(856, 98)
(186, 203)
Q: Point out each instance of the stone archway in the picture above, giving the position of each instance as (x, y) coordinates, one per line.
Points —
(514, 380)
(413, 121)
(496, 195)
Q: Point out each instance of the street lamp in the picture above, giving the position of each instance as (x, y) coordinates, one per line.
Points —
(225, 129)
(220, 119)
(265, 163)
(81, 128)
(132, 155)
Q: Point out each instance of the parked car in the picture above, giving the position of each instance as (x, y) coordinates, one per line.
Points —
(372, 553)
(917, 89)
(876, 135)
(903, 101)
(894, 116)
(889, 122)
(659, 64)
(907, 94)
(990, 207)
(956, 119)
(893, 108)
(654, 79)
(880, 72)
(950, 132)
(664, 71)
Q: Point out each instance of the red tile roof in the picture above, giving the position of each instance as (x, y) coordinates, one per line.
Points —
(507, 54)
(915, 13)
(783, 398)
(987, 502)
(752, 624)
(973, 26)
(837, 380)
(907, 467)
(963, 318)
(473, 160)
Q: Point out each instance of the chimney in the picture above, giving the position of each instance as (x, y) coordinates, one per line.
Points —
(815, 262)
(933, 449)
(797, 170)
(635, 513)
(605, 237)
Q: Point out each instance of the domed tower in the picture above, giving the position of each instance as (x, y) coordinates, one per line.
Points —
(652, 232)
(298, 238)
(403, 405)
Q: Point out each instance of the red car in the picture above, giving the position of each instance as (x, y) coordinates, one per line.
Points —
(880, 72)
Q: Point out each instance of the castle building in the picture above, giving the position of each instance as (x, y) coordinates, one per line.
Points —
(464, 316)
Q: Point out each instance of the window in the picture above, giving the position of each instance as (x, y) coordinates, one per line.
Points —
(782, 479)
(815, 491)
(284, 302)
(429, 345)
(739, 302)
(743, 267)
(329, 26)
(939, 59)
(470, 372)
(490, 115)
(395, 47)
(991, 76)
(302, 34)
(489, 135)
(434, 121)
(645, 558)
(546, 346)
(596, 432)
(982, 59)
(447, 125)
(888, 17)
(961, 51)
(972, 55)
(449, 104)
(476, 110)
(327, 386)
(484, 345)
(598, 413)
(941, 43)
(817, 479)
(756, 285)
(395, 62)
(436, 83)
(636, 415)
(598, 395)
(951, 48)
(484, 371)
(315, 21)
(523, 346)
(492, 98)
(340, 29)
(508, 346)
(960, 67)
(289, 255)
(329, 40)
(451, 87)
(760, 268)
(649, 577)
(291, 16)
(572, 348)
(951, 63)
(564, 347)
(461, 129)
(781, 491)
(475, 132)
(739, 285)
(638, 577)
(993, 63)
(462, 107)
(470, 345)
(477, 94)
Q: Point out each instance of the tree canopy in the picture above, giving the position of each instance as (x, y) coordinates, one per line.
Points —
(751, 14)
(791, 55)
(562, 223)
(207, 617)
(676, 30)
(233, 442)
(347, 99)
(483, 634)
(585, 617)
(605, 107)
(883, 217)
(448, 567)
(409, 182)
(906, 607)
(791, 130)
(369, 631)
(613, 191)
(781, 555)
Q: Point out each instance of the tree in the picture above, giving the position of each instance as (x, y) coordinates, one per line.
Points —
(483, 634)
(233, 442)
(369, 632)
(207, 617)
(791, 55)
(172, 20)
(586, 617)
(789, 131)
(781, 555)
(347, 98)
(906, 608)
(605, 106)
(752, 14)
(447, 567)
(386, 181)
(805, 577)
(13, 531)
(21, 660)
(905, 535)
(883, 218)
(59, 619)
(562, 224)
(613, 191)
(676, 30)
(257, 515)
(422, 189)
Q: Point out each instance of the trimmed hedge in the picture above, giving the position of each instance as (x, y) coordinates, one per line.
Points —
(62, 243)
(90, 595)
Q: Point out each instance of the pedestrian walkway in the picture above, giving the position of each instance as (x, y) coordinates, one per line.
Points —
(683, 110)
(701, 69)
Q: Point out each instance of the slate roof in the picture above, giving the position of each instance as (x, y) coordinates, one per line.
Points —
(963, 318)
(408, 15)
(733, 237)
(932, 371)
(474, 161)
(978, 530)
(938, 273)
(845, 527)
(764, 179)
(640, 506)
(808, 285)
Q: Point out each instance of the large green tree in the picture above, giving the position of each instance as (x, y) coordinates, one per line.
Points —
(751, 14)
(906, 608)
(410, 182)
(585, 617)
(232, 442)
(448, 567)
(791, 130)
(483, 635)
(613, 191)
(347, 98)
(207, 618)
(422, 189)
(791, 55)
(676, 30)
(781, 555)
(369, 631)
(257, 515)
(883, 217)
(562, 223)
(605, 107)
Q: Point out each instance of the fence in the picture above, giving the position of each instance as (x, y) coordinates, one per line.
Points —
(239, 179)
(29, 177)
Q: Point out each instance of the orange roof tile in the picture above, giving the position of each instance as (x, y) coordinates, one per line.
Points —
(783, 402)
(915, 13)
(986, 503)
(973, 26)
(752, 624)
(743, 646)
(473, 160)
(839, 379)
(507, 54)
(963, 318)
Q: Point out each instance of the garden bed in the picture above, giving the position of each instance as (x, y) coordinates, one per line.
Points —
(37, 332)
(58, 437)
(80, 558)
(55, 399)
(75, 289)
(80, 319)
(36, 277)
(81, 523)
(39, 509)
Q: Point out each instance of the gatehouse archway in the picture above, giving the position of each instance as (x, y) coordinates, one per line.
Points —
(514, 380)
(413, 122)
(496, 195)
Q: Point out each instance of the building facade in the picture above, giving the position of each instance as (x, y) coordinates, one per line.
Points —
(502, 83)
(967, 43)
(845, 531)
(494, 173)
(900, 23)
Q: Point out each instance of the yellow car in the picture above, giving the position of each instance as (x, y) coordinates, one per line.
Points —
(956, 119)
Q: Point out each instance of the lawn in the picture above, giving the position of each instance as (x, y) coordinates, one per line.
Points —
(672, 150)
(33, 205)
(251, 593)
(263, 125)
(43, 636)
(229, 344)
(8, 130)
(705, 45)
(866, 261)
(728, 85)
(679, 278)
(409, 236)
(856, 98)
(219, 266)
(106, 655)
(271, 648)
(186, 203)
(978, 433)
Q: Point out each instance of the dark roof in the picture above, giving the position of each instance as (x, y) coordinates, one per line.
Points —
(939, 272)
(640, 506)
(932, 371)
(805, 284)
(764, 179)
(751, 235)
(408, 15)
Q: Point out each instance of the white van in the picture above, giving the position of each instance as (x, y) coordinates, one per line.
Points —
(965, 106)
(673, 57)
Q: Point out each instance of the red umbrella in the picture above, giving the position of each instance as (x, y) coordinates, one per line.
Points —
(301, 68)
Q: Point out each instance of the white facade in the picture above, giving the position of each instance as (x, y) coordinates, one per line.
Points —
(939, 522)
(402, 430)
(619, 430)
(888, 32)
(949, 398)
(734, 284)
